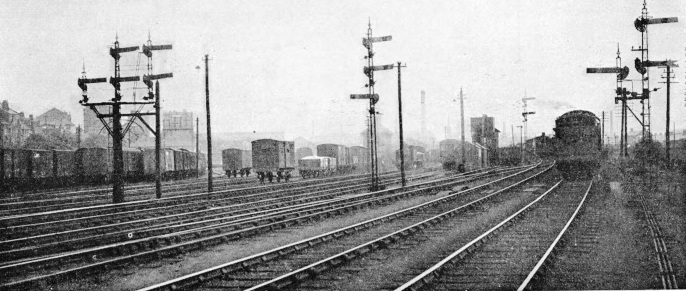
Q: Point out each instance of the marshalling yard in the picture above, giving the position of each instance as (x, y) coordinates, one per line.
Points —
(583, 208)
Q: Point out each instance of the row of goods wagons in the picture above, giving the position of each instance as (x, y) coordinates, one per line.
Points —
(346, 157)
(268, 155)
(92, 162)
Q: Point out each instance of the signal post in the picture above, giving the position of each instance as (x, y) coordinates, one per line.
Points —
(116, 130)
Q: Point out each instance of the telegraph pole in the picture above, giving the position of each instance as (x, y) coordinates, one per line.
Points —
(197, 147)
(400, 121)
(464, 160)
(521, 144)
(209, 131)
(512, 132)
(602, 128)
(668, 160)
(669, 77)
(158, 142)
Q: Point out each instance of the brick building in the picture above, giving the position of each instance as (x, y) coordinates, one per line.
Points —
(485, 134)
(178, 129)
(55, 118)
(15, 127)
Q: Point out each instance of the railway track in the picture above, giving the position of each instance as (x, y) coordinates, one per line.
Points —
(259, 268)
(107, 189)
(85, 199)
(234, 208)
(510, 254)
(181, 242)
(667, 274)
(184, 201)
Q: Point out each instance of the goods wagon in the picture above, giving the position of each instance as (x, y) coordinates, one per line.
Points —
(579, 144)
(184, 163)
(303, 152)
(236, 161)
(358, 157)
(273, 158)
(27, 168)
(338, 152)
(63, 161)
(314, 166)
(94, 165)
(166, 163)
(413, 157)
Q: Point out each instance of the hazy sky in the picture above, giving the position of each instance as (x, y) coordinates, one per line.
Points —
(291, 65)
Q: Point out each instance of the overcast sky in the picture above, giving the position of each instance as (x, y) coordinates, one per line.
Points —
(291, 65)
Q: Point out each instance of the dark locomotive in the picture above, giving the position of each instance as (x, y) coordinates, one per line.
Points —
(578, 144)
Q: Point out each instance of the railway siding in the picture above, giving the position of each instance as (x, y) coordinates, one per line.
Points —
(152, 252)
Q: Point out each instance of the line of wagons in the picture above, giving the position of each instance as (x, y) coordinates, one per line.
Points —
(23, 168)
(277, 159)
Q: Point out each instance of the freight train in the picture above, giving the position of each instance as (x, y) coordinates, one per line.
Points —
(332, 159)
(271, 159)
(29, 168)
(578, 144)
(450, 154)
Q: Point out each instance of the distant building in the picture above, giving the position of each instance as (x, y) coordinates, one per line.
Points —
(485, 134)
(385, 146)
(15, 128)
(55, 118)
(178, 129)
(91, 123)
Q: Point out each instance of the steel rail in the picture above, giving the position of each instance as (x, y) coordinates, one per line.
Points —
(186, 246)
(316, 268)
(213, 272)
(433, 272)
(540, 264)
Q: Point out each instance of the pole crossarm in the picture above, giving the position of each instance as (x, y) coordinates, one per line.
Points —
(120, 103)
(128, 114)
